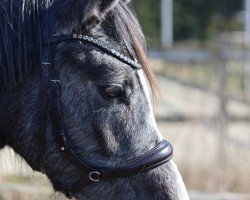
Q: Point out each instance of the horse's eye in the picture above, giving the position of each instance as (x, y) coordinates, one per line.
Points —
(112, 91)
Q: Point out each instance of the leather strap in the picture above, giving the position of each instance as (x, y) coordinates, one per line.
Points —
(45, 65)
(155, 157)
(49, 29)
(43, 111)
(133, 63)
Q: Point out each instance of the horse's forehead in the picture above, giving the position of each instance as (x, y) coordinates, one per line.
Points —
(101, 62)
(95, 62)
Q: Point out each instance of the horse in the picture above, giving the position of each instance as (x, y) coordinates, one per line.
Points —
(74, 95)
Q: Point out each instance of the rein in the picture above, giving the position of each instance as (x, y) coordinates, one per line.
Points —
(50, 81)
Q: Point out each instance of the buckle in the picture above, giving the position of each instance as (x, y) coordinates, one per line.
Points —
(55, 81)
(95, 176)
(45, 64)
(56, 87)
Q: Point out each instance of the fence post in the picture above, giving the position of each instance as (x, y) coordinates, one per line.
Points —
(167, 23)
(223, 52)
(246, 70)
(223, 114)
(246, 76)
(247, 23)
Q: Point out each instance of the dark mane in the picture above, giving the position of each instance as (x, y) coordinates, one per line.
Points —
(20, 42)
(19, 47)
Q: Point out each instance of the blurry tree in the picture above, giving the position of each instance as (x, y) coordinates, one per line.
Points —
(148, 12)
(198, 18)
(192, 18)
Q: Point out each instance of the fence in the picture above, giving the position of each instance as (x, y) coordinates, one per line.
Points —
(206, 104)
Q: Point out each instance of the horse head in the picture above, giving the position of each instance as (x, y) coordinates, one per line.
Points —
(104, 103)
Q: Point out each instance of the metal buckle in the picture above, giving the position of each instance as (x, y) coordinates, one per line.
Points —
(95, 176)
(46, 64)
(55, 81)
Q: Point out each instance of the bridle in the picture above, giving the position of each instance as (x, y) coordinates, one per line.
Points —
(50, 81)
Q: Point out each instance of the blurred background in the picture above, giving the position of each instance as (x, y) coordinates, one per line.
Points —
(200, 53)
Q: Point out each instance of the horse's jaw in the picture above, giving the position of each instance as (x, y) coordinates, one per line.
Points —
(164, 183)
(176, 185)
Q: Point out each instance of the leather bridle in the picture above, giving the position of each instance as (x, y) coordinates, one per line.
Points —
(50, 82)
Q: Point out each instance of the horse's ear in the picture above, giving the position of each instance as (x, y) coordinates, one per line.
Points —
(95, 12)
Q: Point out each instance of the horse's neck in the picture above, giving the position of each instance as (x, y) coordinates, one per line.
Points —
(2, 141)
(2, 110)
(21, 28)
(17, 127)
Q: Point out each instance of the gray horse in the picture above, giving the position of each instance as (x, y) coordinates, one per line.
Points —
(105, 102)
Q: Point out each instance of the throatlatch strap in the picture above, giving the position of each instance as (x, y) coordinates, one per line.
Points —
(43, 111)
(49, 21)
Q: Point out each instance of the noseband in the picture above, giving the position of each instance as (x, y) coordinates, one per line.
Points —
(50, 81)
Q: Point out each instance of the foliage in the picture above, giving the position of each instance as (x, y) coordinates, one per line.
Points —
(192, 19)
(148, 12)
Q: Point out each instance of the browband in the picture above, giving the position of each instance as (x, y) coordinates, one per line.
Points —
(98, 43)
